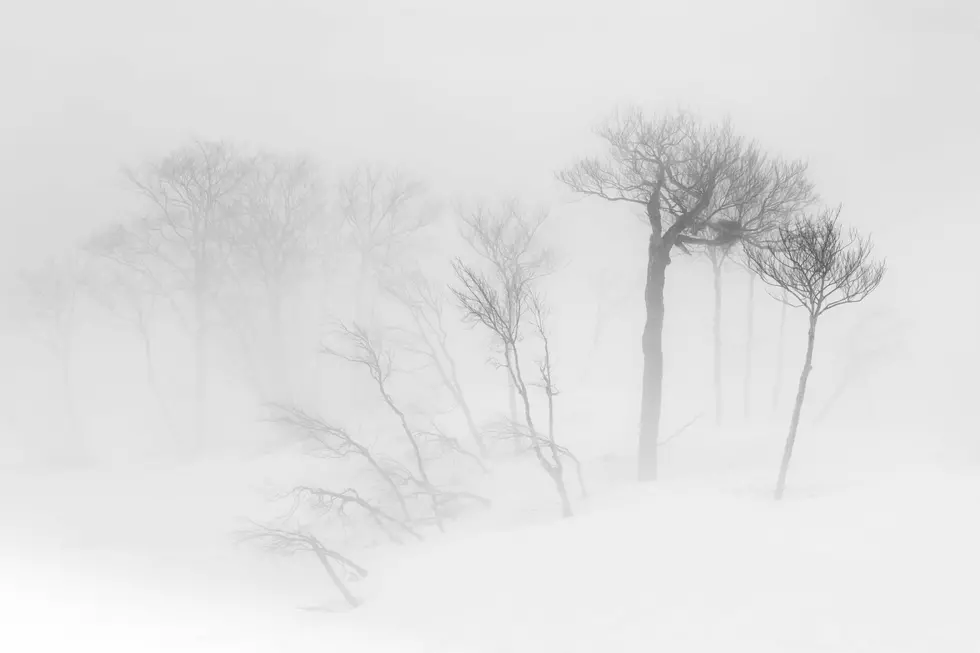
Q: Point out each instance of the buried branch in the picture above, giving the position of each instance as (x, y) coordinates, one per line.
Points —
(288, 542)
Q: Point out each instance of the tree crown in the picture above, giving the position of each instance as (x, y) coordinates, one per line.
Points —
(817, 264)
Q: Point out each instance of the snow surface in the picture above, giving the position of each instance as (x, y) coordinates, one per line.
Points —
(143, 560)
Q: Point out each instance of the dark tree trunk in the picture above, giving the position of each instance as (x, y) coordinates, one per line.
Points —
(653, 359)
(797, 409)
(750, 334)
(717, 258)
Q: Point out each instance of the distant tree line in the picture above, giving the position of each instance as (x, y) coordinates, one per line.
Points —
(262, 253)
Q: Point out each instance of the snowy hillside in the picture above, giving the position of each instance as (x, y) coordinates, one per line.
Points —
(144, 560)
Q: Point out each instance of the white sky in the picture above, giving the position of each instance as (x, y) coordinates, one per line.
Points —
(485, 98)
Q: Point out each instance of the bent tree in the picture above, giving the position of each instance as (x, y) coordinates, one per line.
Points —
(817, 267)
(698, 185)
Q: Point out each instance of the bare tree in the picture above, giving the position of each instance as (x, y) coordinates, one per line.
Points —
(289, 541)
(348, 509)
(284, 213)
(123, 279)
(698, 185)
(505, 237)
(364, 352)
(382, 209)
(506, 304)
(325, 440)
(819, 267)
(539, 315)
(717, 257)
(788, 192)
(192, 197)
(426, 310)
(359, 348)
(344, 508)
(782, 190)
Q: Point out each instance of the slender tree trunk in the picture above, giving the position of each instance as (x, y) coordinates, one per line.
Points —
(653, 360)
(797, 409)
(716, 264)
(749, 336)
(512, 395)
(324, 559)
(777, 384)
(512, 406)
(553, 468)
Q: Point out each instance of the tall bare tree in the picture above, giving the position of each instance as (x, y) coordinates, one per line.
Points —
(789, 192)
(358, 347)
(697, 184)
(819, 267)
(123, 279)
(717, 256)
(383, 209)
(192, 196)
(505, 236)
(504, 307)
(283, 220)
(430, 338)
(783, 191)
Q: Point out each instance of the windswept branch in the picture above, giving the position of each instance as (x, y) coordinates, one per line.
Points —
(289, 542)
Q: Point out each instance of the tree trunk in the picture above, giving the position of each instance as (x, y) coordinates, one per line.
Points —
(716, 263)
(512, 406)
(653, 360)
(750, 333)
(510, 352)
(553, 468)
(338, 582)
(797, 409)
(779, 355)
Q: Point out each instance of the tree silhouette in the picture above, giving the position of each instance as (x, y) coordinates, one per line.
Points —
(820, 268)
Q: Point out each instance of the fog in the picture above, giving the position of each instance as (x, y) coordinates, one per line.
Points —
(130, 484)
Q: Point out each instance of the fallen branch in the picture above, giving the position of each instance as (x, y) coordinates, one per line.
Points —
(288, 542)
(337, 502)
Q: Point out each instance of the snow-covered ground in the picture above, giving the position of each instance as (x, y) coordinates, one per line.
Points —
(143, 560)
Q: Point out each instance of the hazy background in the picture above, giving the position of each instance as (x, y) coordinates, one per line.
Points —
(491, 98)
